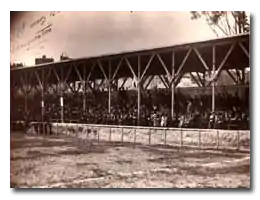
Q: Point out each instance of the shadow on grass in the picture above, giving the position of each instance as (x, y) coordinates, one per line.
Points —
(209, 172)
(76, 146)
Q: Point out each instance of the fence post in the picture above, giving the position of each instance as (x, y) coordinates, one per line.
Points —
(217, 139)
(134, 137)
(181, 137)
(98, 130)
(238, 140)
(122, 136)
(150, 133)
(43, 128)
(57, 129)
(82, 131)
(109, 134)
(88, 130)
(199, 138)
(165, 135)
(38, 128)
(77, 130)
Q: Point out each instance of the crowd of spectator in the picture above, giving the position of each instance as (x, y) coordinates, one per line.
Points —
(193, 111)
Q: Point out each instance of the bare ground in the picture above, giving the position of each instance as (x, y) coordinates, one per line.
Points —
(66, 161)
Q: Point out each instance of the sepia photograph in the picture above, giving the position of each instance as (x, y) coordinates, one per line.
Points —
(130, 99)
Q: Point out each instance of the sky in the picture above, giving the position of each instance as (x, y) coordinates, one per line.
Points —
(85, 34)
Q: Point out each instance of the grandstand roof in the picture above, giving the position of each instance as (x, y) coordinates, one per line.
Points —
(236, 60)
(206, 43)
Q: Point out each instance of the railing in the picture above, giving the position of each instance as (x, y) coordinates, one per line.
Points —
(180, 137)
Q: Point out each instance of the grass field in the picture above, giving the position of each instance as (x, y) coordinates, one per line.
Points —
(67, 161)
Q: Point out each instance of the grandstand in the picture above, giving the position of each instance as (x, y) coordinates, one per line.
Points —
(92, 90)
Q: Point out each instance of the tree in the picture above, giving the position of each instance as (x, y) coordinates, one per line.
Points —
(226, 22)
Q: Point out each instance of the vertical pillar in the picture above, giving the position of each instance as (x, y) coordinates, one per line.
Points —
(213, 82)
(42, 95)
(26, 116)
(61, 97)
(204, 79)
(243, 76)
(84, 95)
(26, 101)
(26, 93)
(109, 87)
(84, 88)
(138, 90)
(116, 82)
(173, 85)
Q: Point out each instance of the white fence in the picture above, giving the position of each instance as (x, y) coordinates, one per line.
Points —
(181, 137)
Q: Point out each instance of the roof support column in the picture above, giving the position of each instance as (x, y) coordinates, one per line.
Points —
(214, 80)
(26, 96)
(62, 84)
(173, 87)
(243, 78)
(108, 81)
(204, 78)
(42, 100)
(41, 84)
(215, 75)
(84, 88)
(109, 87)
(138, 90)
(24, 89)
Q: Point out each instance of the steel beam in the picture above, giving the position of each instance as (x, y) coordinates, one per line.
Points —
(101, 83)
(38, 79)
(130, 67)
(48, 75)
(91, 70)
(244, 49)
(102, 70)
(239, 78)
(194, 78)
(150, 78)
(178, 78)
(124, 81)
(147, 66)
(164, 66)
(222, 63)
(117, 68)
(78, 73)
(162, 78)
(199, 79)
(56, 74)
(232, 76)
(201, 59)
(68, 73)
(181, 66)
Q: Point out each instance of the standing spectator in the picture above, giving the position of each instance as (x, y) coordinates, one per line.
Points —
(163, 120)
(211, 120)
